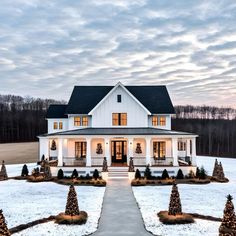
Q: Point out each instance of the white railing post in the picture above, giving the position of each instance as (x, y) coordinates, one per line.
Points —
(175, 151)
(107, 151)
(130, 149)
(194, 152)
(88, 154)
(60, 152)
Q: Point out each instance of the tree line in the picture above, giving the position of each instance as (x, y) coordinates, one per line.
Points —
(22, 119)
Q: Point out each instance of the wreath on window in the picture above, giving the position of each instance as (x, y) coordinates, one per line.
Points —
(138, 148)
(99, 149)
(53, 145)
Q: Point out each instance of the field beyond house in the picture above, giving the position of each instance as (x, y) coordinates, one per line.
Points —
(18, 153)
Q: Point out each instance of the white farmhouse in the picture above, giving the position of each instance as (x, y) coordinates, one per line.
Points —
(117, 122)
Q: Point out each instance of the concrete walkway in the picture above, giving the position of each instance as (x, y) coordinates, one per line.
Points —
(120, 213)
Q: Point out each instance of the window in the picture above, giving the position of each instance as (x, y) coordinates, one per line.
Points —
(162, 121)
(55, 125)
(60, 125)
(154, 121)
(118, 98)
(119, 119)
(191, 147)
(181, 146)
(80, 149)
(77, 121)
(159, 149)
(84, 121)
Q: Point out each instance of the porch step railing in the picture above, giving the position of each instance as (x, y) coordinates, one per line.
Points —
(73, 161)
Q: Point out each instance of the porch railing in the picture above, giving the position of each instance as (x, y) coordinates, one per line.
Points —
(97, 161)
(73, 161)
(139, 161)
(165, 161)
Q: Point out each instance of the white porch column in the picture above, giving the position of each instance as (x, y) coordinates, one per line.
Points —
(43, 148)
(194, 163)
(88, 154)
(175, 151)
(130, 148)
(188, 147)
(148, 151)
(107, 151)
(60, 152)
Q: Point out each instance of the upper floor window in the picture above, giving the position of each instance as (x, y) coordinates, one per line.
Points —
(119, 119)
(181, 146)
(154, 121)
(118, 98)
(55, 125)
(77, 121)
(84, 121)
(60, 125)
(162, 121)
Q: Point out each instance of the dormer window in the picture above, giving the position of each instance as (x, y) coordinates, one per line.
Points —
(158, 120)
(118, 98)
(154, 121)
(84, 121)
(77, 121)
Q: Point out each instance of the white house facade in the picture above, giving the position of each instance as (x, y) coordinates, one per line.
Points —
(117, 122)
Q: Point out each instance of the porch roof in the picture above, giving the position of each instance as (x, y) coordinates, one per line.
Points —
(119, 131)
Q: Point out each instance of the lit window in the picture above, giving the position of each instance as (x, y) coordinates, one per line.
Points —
(181, 146)
(119, 119)
(85, 121)
(60, 125)
(55, 125)
(118, 98)
(77, 121)
(162, 120)
(154, 121)
(159, 149)
(80, 149)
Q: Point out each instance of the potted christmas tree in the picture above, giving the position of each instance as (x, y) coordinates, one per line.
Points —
(72, 213)
(3, 172)
(3, 226)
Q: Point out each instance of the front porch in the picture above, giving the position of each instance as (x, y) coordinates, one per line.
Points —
(90, 151)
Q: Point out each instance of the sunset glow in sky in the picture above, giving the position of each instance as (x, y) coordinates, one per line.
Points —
(48, 46)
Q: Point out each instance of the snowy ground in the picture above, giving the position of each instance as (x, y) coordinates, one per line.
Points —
(204, 199)
(23, 202)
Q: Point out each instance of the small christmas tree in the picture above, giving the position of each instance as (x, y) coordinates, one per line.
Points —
(3, 226)
(180, 174)
(216, 167)
(137, 174)
(3, 172)
(60, 174)
(25, 171)
(198, 172)
(72, 207)
(148, 173)
(138, 148)
(104, 165)
(74, 174)
(131, 165)
(47, 172)
(228, 225)
(95, 174)
(165, 174)
(175, 207)
(203, 173)
(53, 145)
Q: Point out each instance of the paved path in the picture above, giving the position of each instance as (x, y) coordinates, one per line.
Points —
(120, 213)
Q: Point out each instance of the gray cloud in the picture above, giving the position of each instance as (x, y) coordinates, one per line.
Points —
(47, 47)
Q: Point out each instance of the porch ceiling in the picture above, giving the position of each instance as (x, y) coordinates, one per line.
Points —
(119, 131)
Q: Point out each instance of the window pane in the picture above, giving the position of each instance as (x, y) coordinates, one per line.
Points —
(123, 119)
(77, 121)
(115, 119)
(80, 149)
(85, 121)
(162, 121)
(118, 98)
(154, 121)
(60, 125)
(55, 125)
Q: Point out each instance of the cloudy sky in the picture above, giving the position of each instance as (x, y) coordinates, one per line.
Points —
(48, 46)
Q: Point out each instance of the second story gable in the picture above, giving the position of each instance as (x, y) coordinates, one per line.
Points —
(113, 106)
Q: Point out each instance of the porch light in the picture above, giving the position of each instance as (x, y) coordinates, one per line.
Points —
(131, 143)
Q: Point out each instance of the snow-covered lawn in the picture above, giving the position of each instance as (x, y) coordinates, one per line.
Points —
(23, 202)
(204, 199)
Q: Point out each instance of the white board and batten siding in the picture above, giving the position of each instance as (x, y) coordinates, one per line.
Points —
(136, 115)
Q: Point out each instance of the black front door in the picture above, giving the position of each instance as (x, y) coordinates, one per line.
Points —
(119, 151)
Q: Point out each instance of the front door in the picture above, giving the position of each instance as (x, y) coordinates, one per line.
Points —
(119, 151)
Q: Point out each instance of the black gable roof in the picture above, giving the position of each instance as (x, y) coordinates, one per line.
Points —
(85, 98)
(155, 98)
(56, 111)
